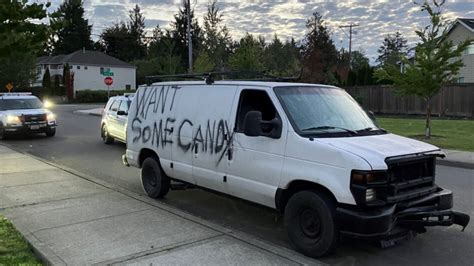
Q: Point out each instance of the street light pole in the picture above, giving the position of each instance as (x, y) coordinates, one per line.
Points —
(350, 26)
(190, 42)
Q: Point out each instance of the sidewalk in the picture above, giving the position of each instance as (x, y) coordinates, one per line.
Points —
(71, 219)
(463, 159)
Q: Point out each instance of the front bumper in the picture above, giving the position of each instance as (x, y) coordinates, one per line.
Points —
(37, 127)
(432, 210)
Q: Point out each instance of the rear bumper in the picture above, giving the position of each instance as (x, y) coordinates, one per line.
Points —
(432, 210)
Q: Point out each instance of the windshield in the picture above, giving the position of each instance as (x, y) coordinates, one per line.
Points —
(16, 104)
(322, 111)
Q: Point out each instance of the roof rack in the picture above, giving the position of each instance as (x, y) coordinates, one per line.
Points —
(15, 93)
(210, 77)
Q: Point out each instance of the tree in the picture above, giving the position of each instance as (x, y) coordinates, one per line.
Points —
(217, 40)
(136, 27)
(436, 61)
(21, 40)
(394, 46)
(71, 31)
(319, 52)
(203, 63)
(46, 83)
(118, 42)
(57, 86)
(248, 56)
(179, 34)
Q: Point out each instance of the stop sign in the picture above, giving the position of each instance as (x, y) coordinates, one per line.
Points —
(108, 81)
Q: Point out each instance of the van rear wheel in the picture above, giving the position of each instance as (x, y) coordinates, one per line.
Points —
(309, 222)
(155, 182)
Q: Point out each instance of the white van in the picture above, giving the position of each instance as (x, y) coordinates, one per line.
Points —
(307, 150)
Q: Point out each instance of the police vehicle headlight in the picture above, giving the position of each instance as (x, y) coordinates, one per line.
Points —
(13, 119)
(50, 117)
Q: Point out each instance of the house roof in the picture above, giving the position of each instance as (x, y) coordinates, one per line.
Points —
(84, 57)
(468, 22)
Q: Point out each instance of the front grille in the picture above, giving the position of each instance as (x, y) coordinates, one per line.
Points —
(410, 177)
(34, 118)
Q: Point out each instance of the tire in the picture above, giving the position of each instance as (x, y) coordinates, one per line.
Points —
(104, 133)
(154, 181)
(3, 134)
(50, 132)
(309, 222)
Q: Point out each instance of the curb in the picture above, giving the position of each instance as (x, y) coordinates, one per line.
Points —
(50, 258)
(77, 112)
(458, 164)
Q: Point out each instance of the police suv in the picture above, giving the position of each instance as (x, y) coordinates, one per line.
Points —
(307, 150)
(24, 113)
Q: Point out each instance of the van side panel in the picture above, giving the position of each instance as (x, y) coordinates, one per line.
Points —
(328, 167)
(151, 122)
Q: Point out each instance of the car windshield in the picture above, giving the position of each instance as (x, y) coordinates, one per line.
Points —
(16, 104)
(324, 111)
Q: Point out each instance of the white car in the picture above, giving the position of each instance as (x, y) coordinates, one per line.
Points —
(307, 150)
(114, 118)
(24, 113)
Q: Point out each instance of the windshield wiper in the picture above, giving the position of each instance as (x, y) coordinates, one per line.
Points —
(330, 127)
(371, 129)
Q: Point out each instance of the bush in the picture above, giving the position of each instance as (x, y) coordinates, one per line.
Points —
(90, 96)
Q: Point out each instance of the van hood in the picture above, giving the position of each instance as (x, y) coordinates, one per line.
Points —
(376, 148)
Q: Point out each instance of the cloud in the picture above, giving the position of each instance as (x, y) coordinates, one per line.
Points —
(287, 19)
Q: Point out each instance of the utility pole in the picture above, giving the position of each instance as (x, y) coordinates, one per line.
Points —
(350, 26)
(190, 41)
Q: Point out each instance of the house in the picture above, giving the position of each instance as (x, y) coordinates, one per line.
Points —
(462, 29)
(90, 69)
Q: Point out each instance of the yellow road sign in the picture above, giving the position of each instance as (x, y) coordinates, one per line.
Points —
(9, 87)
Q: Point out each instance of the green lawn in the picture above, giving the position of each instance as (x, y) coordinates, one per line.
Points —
(14, 250)
(447, 134)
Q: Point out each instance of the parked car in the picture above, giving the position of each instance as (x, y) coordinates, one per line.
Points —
(25, 114)
(307, 150)
(114, 118)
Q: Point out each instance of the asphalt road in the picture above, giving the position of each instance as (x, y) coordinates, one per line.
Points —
(77, 145)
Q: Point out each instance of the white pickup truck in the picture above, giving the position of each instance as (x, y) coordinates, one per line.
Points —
(307, 150)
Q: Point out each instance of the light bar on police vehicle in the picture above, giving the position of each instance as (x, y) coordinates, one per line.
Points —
(15, 93)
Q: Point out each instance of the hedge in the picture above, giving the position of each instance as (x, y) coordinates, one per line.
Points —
(90, 96)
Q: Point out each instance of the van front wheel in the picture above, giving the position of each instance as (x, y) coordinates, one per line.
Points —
(155, 182)
(309, 222)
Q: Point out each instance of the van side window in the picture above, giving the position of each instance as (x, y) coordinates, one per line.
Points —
(114, 106)
(254, 100)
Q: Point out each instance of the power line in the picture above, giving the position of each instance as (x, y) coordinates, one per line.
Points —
(350, 26)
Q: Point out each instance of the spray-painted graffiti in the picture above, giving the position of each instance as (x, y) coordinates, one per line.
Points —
(212, 137)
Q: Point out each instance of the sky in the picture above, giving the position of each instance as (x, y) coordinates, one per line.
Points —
(287, 19)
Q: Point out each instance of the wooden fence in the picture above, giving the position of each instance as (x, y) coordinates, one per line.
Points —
(453, 100)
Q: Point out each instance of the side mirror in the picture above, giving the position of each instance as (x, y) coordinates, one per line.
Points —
(121, 112)
(252, 124)
(371, 115)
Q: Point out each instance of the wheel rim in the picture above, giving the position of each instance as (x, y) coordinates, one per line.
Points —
(104, 133)
(310, 223)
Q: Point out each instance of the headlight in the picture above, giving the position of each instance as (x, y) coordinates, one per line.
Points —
(365, 185)
(47, 104)
(13, 119)
(50, 117)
